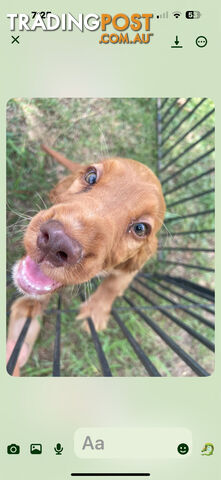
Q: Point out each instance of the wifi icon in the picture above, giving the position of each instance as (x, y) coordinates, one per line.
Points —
(176, 14)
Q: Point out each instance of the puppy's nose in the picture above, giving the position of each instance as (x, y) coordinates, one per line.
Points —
(56, 246)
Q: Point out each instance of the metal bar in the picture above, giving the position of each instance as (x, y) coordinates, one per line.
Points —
(196, 232)
(183, 120)
(158, 133)
(165, 297)
(164, 102)
(191, 180)
(181, 170)
(176, 320)
(56, 359)
(189, 215)
(187, 133)
(98, 347)
(159, 138)
(168, 109)
(175, 114)
(121, 309)
(181, 306)
(194, 288)
(186, 199)
(103, 361)
(186, 249)
(151, 369)
(17, 348)
(190, 300)
(173, 345)
(192, 145)
(188, 265)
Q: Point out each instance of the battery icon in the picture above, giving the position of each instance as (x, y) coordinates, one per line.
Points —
(193, 14)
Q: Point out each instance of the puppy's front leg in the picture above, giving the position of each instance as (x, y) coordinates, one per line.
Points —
(98, 306)
(22, 308)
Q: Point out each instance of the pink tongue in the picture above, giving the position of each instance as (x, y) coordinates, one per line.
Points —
(35, 274)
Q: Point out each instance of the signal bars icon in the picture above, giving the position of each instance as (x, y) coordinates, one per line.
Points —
(162, 15)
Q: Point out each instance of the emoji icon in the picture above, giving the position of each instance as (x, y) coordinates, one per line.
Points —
(208, 449)
(183, 448)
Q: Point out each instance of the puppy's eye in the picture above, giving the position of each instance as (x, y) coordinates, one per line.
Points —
(91, 177)
(141, 229)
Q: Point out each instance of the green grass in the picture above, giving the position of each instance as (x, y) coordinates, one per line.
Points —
(86, 130)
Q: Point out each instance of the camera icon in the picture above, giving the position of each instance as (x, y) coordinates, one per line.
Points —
(13, 449)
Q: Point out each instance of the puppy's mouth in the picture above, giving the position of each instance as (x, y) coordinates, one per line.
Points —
(31, 280)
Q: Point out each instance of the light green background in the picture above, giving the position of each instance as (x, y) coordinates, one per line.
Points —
(49, 410)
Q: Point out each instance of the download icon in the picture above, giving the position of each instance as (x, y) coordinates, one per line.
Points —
(176, 41)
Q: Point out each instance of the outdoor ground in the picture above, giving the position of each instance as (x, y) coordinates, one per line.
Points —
(86, 130)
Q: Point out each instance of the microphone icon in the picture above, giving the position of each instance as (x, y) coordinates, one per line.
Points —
(58, 449)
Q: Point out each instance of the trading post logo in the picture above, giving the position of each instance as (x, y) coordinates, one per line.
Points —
(125, 29)
(121, 22)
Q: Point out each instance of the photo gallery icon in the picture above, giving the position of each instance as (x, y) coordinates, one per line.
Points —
(36, 448)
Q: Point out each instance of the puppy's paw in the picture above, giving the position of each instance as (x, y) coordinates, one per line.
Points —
(97, 312)
(21, 309)
(22, 358)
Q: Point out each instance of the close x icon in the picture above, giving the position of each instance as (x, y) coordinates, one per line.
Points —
(15, 39)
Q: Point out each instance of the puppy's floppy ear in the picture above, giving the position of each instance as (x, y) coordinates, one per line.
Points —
(72, 166)
(55, 194)
(60, 188)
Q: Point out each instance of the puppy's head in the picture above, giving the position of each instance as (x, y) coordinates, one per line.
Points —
(104, 216)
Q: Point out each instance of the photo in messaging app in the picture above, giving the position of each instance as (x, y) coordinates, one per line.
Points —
(132, 239)
(110, 333)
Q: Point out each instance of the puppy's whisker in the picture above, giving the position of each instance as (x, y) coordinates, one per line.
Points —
(89, 287)
(87, 290)
(85, 293)
(16, 212)
(167, 230)
(103, 143)
(17, 226)
(164, 226)
(163, 240)
(38, 207)
(38, 194)
(75, 290)
(26, 217)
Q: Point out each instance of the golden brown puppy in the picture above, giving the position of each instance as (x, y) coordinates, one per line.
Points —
(103, 221)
